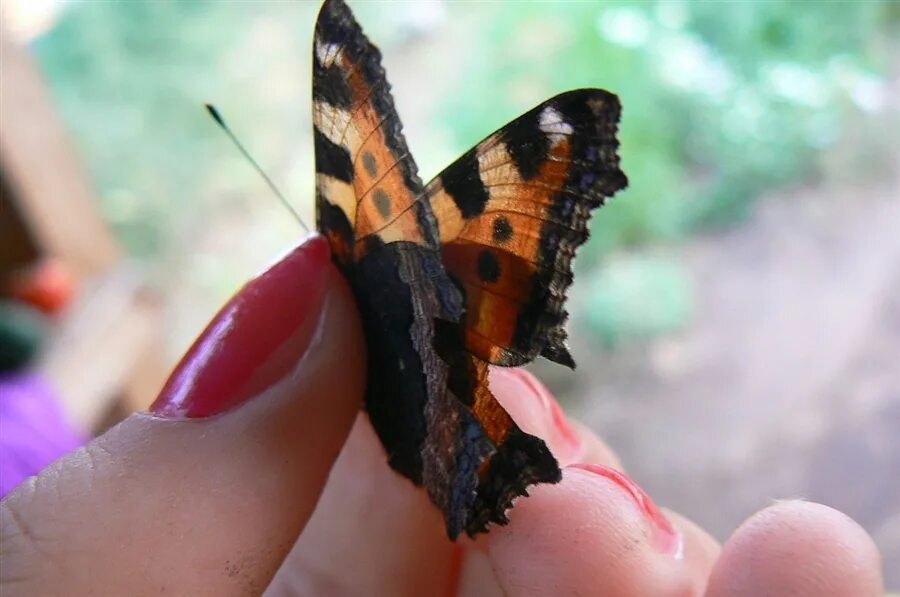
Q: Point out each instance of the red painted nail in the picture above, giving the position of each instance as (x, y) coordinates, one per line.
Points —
(565, 440)
(255, 339)
(667, 539)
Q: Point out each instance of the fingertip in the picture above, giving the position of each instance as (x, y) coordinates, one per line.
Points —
(256, 339)
(594, 449)
(534, 408)
(699, 549)
(798, 548)
(588, 534)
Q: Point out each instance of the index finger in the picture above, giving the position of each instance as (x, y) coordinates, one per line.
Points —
(596, 532)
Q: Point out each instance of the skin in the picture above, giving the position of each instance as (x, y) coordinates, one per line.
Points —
(289, 492)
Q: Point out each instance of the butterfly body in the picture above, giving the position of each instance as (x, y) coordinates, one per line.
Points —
(450, 277)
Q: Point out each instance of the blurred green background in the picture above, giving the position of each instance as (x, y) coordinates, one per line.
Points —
(722, 103)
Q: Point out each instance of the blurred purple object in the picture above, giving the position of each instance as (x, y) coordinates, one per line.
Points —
(33, 430)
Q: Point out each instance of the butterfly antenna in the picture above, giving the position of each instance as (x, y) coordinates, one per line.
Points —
(214, 113)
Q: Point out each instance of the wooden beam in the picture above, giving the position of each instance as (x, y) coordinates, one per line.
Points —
(42, 174)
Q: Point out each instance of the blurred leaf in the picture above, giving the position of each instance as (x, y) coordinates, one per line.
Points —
(720, 106)
(636, 297)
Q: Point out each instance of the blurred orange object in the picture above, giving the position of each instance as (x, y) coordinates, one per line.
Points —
(48, 285)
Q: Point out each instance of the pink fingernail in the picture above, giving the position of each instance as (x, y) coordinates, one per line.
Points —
(254, 341)
(665, 536)
(566, 441)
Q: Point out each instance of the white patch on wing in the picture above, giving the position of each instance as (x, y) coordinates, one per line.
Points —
(553, 123)
(336, 124)
(495, 165)
(339, 193)
(450, 222)
(326, 53)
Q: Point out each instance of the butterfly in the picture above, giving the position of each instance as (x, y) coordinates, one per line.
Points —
(467, 271)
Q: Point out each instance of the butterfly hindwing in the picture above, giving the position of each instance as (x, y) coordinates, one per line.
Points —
(516, 459)
(511, 213)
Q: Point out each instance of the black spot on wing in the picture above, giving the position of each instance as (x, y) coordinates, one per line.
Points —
(526, 144)
(332, 159)
(502, 230)
(488, 266)
(463, 183)
(370, 164)
(382, 202)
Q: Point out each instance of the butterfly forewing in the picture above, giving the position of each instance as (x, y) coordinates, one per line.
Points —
(513, 211)
(366, 179)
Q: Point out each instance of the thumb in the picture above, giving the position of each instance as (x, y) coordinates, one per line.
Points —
(206, 493)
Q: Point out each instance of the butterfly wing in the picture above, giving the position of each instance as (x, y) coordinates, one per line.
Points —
(367, 183)
(427, 393)
(511, 213)
(370, 204)
(513, 210)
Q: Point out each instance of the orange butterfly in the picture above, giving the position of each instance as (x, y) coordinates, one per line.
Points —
(468, 270)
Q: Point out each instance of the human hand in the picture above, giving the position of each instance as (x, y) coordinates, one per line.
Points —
(257, 440)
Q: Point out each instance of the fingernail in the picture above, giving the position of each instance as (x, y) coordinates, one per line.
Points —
(562, 437)
(665, 536)
(255, 340)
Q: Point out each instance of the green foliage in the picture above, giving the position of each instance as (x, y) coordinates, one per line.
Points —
(720, 103)
(130, 79)
(635, 297)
